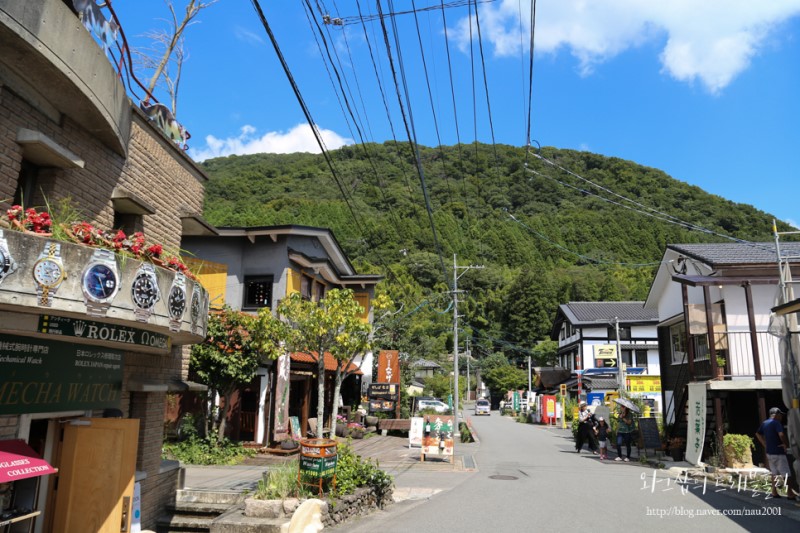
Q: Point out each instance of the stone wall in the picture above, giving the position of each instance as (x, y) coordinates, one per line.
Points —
(335, 511)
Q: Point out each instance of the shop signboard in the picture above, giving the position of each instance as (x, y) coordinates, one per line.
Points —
(389, 366)
(437, 435)
(101, 332)
(323, 467)
(644, 383)
(415, 433)
(605, 355)
(41, 375)
(383, 397)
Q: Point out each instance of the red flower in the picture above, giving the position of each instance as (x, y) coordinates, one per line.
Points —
(155, 250)
(14, 212)
(119, 237)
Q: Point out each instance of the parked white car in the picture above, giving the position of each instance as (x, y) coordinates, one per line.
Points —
(438, 406)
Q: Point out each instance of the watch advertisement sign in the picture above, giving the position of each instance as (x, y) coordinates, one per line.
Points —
(43, 376)
(99, 331)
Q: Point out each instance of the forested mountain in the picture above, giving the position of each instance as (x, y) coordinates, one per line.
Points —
(589, 228)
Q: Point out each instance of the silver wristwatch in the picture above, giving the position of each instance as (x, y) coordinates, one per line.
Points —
(176, 302)
(100, 282)
(48, 273)
(7, 263)
(145, 292)
(196, 308)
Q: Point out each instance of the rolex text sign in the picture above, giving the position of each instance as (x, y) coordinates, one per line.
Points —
(43, 375)
(99, 331)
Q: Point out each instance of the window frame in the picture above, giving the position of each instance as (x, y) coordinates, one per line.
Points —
(261, 278)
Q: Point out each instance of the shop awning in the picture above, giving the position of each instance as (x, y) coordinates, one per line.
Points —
(19, 461)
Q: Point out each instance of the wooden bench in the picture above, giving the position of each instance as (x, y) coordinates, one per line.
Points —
(395, 424)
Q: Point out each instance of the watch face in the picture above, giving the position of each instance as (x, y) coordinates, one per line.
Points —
(144, 291)
(47, 272)
(100, 282)
(177, 302)
(195, 305)
(5, 261)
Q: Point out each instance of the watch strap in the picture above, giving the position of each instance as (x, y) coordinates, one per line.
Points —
(51, 250)
(10, 266)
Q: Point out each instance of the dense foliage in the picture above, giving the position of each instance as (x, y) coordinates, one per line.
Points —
(544, 235)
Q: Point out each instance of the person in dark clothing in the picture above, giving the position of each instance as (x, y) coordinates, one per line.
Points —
(625, 428)
(772, 437)
(601, 430)
(585, 429)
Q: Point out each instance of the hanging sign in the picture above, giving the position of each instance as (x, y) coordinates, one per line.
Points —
(389, 366)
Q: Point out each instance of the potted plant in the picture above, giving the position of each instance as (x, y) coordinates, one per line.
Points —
(721, 366)
(737, 450)
(677, 447)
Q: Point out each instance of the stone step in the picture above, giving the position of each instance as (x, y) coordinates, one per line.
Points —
(184, 523)
(200, 508)
(209, 496)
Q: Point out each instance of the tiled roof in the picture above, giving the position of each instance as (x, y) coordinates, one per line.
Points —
(734, 253)
(424, 363)
(592, 312)
(330, 362)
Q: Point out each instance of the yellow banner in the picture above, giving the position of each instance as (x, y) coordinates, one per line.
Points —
(644, 383)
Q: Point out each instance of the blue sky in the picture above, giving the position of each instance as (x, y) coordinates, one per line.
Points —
(708, 92)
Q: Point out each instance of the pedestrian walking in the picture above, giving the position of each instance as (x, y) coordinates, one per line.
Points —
(585, 429)
(625, 428)
(772, 437)
(601, 430)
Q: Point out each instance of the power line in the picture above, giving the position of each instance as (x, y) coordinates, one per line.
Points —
(409, 124)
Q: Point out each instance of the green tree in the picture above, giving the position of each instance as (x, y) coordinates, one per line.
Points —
(545, 353)
(227, 358)
(331, 326)
(505, 378)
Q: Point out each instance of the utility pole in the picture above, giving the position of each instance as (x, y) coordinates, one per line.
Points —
(456, 275)
(530, 389)
(620, 370)
(469, 356)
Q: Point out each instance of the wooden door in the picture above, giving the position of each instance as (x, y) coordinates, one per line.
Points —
(96, 474)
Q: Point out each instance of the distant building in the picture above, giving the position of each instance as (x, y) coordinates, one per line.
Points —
(251, 268)
(587, 333)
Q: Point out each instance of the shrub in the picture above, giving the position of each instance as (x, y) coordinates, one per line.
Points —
(352, 472)
(737, 447)
(281, 483)
(206, 451)
(466, 433)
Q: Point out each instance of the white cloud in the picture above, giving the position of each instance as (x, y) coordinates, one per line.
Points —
(298, 139)
(247, 36)
(711, 40)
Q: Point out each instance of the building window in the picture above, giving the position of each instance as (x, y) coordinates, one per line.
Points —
(257, 292)
(305, 287)
(624, 333)
(641, 359)
(128, 223)
(319, 292)
(26, 184)
(677, 336)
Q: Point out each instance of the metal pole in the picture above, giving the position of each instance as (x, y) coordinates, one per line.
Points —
(469, 356)
(528, 400)
(456, 427)
(620, 370)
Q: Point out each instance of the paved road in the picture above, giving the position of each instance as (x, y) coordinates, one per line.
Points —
(530, 478)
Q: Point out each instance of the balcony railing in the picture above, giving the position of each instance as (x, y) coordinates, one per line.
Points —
(736, 347)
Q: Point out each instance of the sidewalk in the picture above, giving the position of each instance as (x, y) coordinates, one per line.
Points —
(414, 479)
